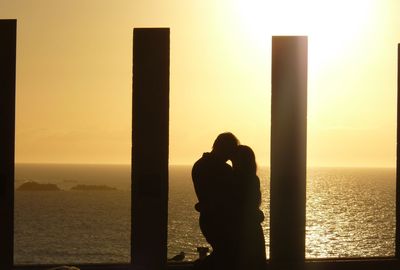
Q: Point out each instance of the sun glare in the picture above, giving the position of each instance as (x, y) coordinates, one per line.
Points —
(332, 26)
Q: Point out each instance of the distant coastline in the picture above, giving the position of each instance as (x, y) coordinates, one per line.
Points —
(92, 188)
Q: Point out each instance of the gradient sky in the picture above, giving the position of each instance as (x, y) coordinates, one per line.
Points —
(74, 69)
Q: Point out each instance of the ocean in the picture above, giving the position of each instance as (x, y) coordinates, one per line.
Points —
(350, 213)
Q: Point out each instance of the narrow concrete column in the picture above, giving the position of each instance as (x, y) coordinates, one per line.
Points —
(150, 126)
(288, 149)
(397, 251)
(8, 34)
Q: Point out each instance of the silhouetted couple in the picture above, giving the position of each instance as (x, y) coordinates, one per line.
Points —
(229, 205)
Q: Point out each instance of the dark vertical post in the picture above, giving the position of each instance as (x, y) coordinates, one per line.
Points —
(8, 34)
(288, 149)
(397, 251)
(150, 125)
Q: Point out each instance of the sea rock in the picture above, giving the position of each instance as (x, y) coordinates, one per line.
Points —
(35, 186)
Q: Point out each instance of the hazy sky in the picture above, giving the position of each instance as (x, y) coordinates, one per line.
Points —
(74, 71)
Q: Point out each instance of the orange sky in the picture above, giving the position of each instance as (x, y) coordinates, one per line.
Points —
(74, 67)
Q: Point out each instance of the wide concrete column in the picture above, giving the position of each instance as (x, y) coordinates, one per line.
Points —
(397, 250)
(150, 126)
(8, 30)
(288, 149)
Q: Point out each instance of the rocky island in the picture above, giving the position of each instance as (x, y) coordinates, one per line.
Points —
(35, 186)
(92, 188)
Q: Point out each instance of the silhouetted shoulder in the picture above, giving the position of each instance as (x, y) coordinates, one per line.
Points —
(201, 164)
(209, 166)
(210, 177)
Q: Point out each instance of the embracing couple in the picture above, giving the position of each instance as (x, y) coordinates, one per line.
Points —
(229, 201)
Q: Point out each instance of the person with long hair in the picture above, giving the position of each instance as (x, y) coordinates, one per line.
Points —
(246, 208)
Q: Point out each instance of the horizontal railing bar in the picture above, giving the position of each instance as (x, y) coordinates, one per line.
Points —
(325, 263)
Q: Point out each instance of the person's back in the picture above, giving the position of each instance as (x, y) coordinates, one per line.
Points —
(211, 175)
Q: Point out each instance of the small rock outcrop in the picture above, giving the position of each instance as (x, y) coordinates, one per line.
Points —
(35, 186)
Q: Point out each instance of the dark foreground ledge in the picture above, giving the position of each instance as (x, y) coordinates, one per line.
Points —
(317, 264)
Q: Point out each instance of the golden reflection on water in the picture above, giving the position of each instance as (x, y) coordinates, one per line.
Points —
(350, 213)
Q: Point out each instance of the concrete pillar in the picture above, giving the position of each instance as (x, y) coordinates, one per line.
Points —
(288, 149)
(397, 250)
(7, 137)
(150, 126)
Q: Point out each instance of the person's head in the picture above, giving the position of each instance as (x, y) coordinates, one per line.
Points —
(244, 160)
(225, 145)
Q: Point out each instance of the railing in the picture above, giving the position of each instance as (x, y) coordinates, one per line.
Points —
(150, 146)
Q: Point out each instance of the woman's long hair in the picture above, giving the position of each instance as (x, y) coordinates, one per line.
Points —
(245, 160)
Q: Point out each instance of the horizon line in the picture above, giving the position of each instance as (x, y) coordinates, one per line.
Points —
(191, 164)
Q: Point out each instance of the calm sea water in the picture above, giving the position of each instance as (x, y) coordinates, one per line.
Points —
(350, 213)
